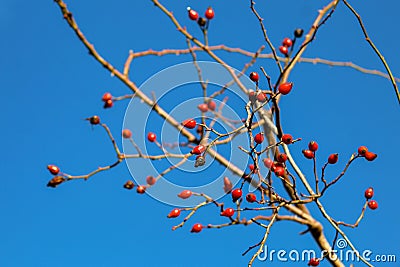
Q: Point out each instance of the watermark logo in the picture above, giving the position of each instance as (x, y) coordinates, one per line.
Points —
(342, 252)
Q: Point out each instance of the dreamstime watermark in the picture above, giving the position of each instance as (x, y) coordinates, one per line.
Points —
(341, 252)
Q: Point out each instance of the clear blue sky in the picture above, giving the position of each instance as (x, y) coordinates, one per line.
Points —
(50, 83)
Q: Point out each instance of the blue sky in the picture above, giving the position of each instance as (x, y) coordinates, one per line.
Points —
(50, 84)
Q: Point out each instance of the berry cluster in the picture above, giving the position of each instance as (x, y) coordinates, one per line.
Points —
(202, 22)
(108, 100)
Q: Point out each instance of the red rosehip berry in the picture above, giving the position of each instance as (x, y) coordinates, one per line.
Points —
(252, 96)
(129, 185)
(185, 194)
(228, 212)
(227, 185)
(236, 194)
(209, 13)
(150, 180)
(333, 158)
(261, 97)
(94, 120)
(259, 138)
(313, 262)
(372, 204)
(281, 157)
(141, 189)
(269, 163)
(151, 137)
(53, 169)
(308, 154)
(284, 50)
(189, 123)
(126, 133)
(174, 213)
(250, 197)
(251, 167)
(197, 150)
(370, 156)
(203, 107)
(106, 97)
(254, 76)
(193, 15)
(287, 139)
(362, 150)
(279, 171)
(285, 88)
(287, 42)
(57, 180)
(108, 104)
(369, 193)
(197, 228)
(313, 146)
(211, 105)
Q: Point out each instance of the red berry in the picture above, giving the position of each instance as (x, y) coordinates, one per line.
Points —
(313, 262)
(108, 104)
(287, 139)
(279, 171)
(362, 150)
(126, 133)
(308, 154)
(252, 96)
(259, 138)
(372, 204)
(106, 97)
(250, 197)
(174, 213)
(197, 228)
(254, 76)
(189, 123)
(236, 194)
(185, 194)
(369, 193)
(261, 97)
(193, 15)
(313, 146)
(227, 185)
(209, 13)
(203, 107)
(269, 163)
(211, 105)
(333, 158)
(251, 167)
(150, 180)
(284, 50)
(53, 169)
(198, 149)
(281, 157)
(285, 88)
(129, 185)
(55, 181)
(151, 137)
(94, 120)
(287, 42)
(370, 156)
(140, 189)
(228, 212)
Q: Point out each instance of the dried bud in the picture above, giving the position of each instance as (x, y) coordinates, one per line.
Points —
(200, 161)
(129, 185)
(56, 181)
